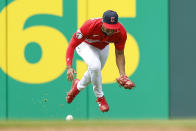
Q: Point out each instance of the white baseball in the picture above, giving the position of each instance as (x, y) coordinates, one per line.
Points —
(69, 117)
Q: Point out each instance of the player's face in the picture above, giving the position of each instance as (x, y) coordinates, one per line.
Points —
(107, 31)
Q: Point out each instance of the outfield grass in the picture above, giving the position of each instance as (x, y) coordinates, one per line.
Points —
(103, 123)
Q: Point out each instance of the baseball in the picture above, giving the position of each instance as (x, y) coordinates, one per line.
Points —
(69, 117)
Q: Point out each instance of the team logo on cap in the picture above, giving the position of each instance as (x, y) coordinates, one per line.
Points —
(112, 19)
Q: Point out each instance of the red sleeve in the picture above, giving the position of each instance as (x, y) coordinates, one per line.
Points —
(122, 37)
(77, 38)
(72, 45)
(120, 45)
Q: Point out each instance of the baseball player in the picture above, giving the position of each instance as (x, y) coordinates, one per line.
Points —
(91, 42)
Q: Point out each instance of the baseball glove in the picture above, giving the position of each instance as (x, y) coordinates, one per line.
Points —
(125, 82)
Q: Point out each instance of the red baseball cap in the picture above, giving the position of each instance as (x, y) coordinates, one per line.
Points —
(110, 20)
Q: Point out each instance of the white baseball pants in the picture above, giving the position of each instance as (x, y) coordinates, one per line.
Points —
(95, 59)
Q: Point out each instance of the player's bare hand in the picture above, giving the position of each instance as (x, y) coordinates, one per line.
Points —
(70, 73)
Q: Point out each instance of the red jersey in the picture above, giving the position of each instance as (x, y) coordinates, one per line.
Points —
(91, 33)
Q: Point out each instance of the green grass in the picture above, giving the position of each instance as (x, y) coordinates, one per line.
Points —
(103, 123)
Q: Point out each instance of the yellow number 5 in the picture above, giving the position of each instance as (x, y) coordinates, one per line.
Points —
(125, 8)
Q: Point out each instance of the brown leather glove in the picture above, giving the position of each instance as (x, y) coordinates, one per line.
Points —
(125, 82)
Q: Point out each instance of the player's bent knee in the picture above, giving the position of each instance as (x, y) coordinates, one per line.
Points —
(95, 67)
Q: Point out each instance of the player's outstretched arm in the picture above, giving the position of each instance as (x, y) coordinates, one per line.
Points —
(120, 61)
(123, 80)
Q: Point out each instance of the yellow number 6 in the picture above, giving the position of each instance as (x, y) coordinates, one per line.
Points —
(52, 42)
